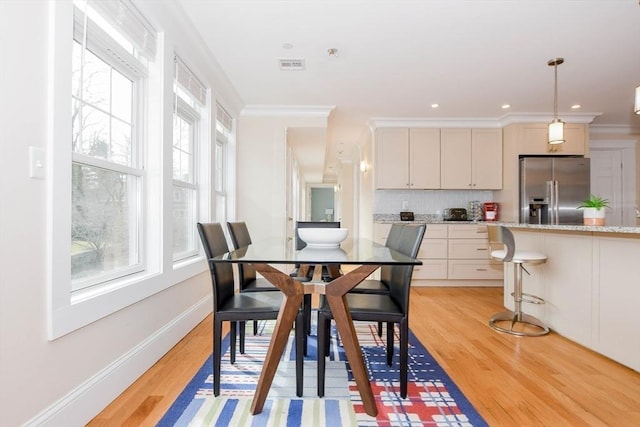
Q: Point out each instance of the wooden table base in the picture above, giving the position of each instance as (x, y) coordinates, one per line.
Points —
(335, 292)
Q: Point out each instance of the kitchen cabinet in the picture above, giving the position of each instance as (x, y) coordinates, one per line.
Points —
(589, 286)
(451, 255)
(433, 254)
(471, 159)
(533, 140)
(468, 254)
(407, 158)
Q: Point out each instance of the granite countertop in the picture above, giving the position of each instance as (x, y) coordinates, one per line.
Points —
(435, 219)
(588, 228)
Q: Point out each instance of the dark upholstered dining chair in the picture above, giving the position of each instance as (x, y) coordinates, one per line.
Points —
(372, 286)
(239, 307)
(250, 282)
(247, 278)
(389, 308)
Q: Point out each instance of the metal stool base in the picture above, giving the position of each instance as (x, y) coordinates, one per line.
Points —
(518, 317)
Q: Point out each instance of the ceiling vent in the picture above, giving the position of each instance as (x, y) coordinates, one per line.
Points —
(291, 64)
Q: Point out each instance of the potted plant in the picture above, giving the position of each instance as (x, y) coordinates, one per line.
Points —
(593, 213)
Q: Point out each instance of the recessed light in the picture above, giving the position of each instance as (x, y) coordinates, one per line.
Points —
(506, 106)
(435, 105)
(576, 106)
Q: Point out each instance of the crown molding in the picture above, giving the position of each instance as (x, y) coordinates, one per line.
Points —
(582, 118)
(316, 111)
(614, 130)
(394, 122)
(507, 119)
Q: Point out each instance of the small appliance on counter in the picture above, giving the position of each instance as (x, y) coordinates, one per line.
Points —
(490, 210)
(474, 211)
(455, 214)
(406, 216)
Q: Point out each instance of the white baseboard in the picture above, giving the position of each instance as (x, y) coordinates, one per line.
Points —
(457, 283)
(83, 403)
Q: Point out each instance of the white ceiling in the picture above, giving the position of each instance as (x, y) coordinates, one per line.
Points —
(397, 57)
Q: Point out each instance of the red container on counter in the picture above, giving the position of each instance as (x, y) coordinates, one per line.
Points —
(490, 210)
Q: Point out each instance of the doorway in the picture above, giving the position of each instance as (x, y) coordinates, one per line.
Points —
(322, 204)
(613, 177)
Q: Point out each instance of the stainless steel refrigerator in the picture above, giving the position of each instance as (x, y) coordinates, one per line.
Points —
(552, 188)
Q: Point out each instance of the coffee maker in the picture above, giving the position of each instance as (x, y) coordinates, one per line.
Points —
(490, 210)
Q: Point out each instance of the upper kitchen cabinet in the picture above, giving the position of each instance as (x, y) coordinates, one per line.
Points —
(533, 140)
(471, 159)
(407, 158)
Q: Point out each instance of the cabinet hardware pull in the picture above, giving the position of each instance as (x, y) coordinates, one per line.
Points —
(481, 269)
(481, 249)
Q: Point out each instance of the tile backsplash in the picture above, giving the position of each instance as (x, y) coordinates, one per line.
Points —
(430, 202)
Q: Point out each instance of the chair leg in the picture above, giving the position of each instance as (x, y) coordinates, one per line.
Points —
(380, 329)
(217, 356)
(404, 356)
(390, 331)
(232, 342)
(300, 349)
(242, 326)
(322, 350)
(327, 335)
(306, 307)
(255, 327)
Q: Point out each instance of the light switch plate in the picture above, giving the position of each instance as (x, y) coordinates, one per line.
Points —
(36, 163)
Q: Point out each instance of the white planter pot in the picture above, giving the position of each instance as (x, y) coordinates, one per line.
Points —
(593, 216)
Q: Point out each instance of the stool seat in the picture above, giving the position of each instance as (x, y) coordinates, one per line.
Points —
(520, 257)
(504, 236)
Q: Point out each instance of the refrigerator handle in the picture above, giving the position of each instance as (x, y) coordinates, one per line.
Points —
(554, 206)
(552, 201)
(556, 196)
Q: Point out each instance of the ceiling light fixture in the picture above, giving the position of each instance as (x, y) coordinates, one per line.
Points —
(636, 109)
(333, 52)
(435, 105)
(506, 106)
(556, 127)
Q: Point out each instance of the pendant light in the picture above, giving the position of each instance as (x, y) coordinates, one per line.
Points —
(556, 127)
(636, 109)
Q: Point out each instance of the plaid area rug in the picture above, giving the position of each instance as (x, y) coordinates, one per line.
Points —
(433, 399)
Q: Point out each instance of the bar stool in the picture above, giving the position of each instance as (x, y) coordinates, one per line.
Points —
(504, 236)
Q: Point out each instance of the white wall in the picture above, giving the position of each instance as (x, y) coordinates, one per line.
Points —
(68, 380)
(261, 170)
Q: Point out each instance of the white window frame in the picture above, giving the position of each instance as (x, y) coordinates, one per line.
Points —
(68, 310)
(136, 169)
(189, 114)
(222, 208)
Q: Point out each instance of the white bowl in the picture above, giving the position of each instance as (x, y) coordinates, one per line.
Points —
(323, 237)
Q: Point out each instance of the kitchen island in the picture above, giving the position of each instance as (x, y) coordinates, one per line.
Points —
(590, 282)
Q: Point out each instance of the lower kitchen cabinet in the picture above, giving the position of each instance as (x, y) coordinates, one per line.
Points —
(452, 252)
(590, 287)
(433, 254)
(468, 254)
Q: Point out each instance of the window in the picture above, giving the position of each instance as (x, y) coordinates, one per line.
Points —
(107, 168)
(189, 98)
(224, 132)
(129, 178)
(104, 244)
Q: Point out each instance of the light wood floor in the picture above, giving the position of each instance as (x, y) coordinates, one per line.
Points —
(511, 381)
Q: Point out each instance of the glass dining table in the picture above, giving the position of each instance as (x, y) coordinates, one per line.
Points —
(363, 256)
